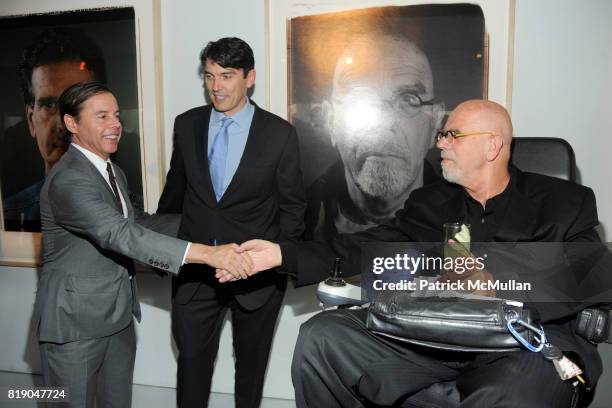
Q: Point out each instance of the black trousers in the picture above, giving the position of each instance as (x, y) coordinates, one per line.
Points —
(338, 363)
(196, 327)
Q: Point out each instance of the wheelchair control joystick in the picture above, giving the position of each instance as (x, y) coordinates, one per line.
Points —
(336, 275)
(335, 291)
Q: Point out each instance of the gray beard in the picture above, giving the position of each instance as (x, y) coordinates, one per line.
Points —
(378, 179)
(450, 176)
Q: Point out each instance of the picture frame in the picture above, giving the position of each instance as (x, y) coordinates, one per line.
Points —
(23, 248)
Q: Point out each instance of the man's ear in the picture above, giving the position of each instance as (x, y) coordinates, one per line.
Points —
(496, 143)
(327, 115)
(29, 111)
(71, 124)
(438, 117)
(250, 78)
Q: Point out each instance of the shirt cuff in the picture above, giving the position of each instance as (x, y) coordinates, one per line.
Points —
(185, 254)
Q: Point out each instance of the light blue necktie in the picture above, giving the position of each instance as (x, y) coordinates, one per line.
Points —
(218, 157)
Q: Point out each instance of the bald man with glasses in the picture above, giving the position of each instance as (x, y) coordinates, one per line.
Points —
(339, 363)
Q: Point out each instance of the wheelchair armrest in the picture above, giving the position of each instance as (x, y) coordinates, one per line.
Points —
(344, 295)
(593, 324)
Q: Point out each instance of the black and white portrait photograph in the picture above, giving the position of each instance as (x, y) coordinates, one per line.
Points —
(368, 89)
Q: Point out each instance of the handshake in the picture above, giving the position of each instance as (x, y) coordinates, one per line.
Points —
(233, 262)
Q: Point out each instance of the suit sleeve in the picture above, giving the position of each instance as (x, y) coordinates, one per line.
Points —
(587, 257)
(167, 224)
(582, 229)
(290, 191)
(171, 200)
(311, 261)
(79, 206)
(587, 263)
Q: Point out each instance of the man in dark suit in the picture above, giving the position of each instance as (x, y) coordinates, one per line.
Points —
(234, 175)
(339, 363)
(87, 291)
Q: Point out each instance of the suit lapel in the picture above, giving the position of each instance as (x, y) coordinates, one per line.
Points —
(124, 261)
(200, 148)
(120, 179)
(80, 157)
(124, 189)
(521, 219)
(253, 150)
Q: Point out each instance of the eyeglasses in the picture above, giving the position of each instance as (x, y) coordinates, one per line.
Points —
(452, 134)
(359, 103)
(410, 103)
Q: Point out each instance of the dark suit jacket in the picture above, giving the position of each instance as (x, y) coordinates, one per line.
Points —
(265, 198)
(540, 209)
(84, 290)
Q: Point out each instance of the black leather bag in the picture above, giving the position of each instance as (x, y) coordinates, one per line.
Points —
(470, 324)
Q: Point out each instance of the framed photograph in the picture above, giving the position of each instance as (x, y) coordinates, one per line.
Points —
(367, 87)
(47, 50)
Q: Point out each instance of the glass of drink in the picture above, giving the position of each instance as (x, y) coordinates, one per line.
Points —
(460, 235)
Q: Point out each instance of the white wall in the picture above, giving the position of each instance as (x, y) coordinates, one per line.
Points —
(19, 347)
(563, 83)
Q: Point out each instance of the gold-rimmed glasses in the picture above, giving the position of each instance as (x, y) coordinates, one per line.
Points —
(452, 134)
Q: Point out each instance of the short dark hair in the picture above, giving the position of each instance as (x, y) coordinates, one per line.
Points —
(229, 52)
(72, 99)
(56, 45)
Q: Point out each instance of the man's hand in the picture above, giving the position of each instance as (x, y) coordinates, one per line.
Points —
(467, 274)
(227, 257)
(263, 254)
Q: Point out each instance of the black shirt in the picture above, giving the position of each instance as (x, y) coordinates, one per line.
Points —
(484, 222)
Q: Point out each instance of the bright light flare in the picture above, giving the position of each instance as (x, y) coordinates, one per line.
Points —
(360, 116)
